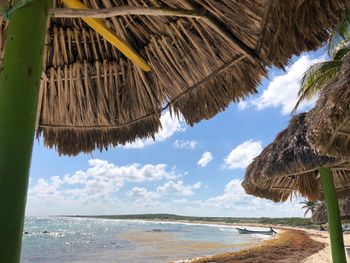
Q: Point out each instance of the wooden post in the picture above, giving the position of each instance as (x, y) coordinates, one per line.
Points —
(334, 223)
(20, 74)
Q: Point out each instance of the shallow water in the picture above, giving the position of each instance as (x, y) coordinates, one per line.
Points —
(102, 240)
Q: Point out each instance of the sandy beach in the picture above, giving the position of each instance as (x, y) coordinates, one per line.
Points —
(290, 245)
(324, 255)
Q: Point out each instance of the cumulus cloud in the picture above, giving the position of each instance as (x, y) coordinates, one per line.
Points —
(282, 90)
(142, 193)
(180, 201)
(104, 170)
(170, 126)
(206, 158)
(243, 154)
(178, 188)
(235, 202)
(182, 144)
(169, 188)
(98, 184)
(233, 193)
(242, 105)
(47, 189)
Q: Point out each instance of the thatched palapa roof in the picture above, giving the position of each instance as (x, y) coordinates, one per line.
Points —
(203, 55)
(329, 129)
(320, 215)
(289, 166)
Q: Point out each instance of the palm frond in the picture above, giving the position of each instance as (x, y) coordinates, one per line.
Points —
(315, 78)
(341, 51)
(340, 34)
(306, 212)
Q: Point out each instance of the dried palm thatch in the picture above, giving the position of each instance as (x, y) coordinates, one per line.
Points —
(329, 128)
(289, 166)
(92, 96)
(320, 215)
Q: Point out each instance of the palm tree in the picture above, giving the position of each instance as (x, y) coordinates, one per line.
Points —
(319, 74)
(310, 206)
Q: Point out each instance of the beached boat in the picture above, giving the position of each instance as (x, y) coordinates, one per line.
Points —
(262, 232)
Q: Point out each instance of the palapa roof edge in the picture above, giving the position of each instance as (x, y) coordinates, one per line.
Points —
(307, 23)
(289, 166)
(91, 92)
(276, 195)
(74, 140)
(329, 123)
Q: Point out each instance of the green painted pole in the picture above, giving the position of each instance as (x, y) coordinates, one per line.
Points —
(334, 223)
(20, 74)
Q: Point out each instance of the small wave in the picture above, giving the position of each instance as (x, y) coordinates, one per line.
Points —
(62, 233)
(228, 229)
(56, 234)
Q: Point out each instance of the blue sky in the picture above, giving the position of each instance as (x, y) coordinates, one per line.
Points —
(187, 170)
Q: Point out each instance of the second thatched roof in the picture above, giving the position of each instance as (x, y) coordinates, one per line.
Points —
(203, 56)
(289, 166)
(329, 128)
(320, 215)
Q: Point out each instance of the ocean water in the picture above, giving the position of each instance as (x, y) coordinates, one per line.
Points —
(63, 239)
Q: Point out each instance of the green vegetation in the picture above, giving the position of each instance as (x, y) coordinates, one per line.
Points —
(319, 74)
(309, 206)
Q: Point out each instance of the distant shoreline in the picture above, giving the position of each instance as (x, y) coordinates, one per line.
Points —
(263, 221)
(199, 222)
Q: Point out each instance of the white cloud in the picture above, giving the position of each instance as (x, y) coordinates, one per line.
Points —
(180, 201)
(182, 144)
(283, 89)
(142, 193)
(94, 187)
(206, 158)
(170, 126)
(47, 189)
(178, 188)
(242, 105)
(103, 170)
(169, 188)
(138, 144)
(233, 193)
(243, 154)
(235, 202)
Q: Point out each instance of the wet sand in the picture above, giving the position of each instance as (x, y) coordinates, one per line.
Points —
(290, 246)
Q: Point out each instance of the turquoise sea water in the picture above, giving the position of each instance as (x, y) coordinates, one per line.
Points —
(60, 239)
